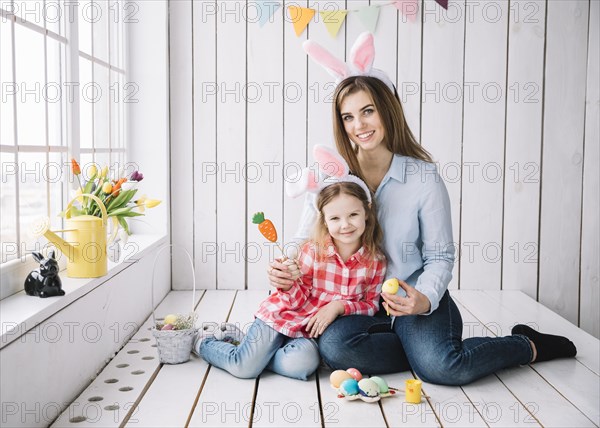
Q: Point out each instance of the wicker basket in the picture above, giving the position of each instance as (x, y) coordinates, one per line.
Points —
(174, 346)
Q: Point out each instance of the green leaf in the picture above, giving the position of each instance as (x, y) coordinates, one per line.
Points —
(88, 186)
(73, 212)
(121, 199)
(99, 188)
(126, 212)
(258, 218)
(124, 224)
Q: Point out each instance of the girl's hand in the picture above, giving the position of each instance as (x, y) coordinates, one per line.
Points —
(280, 274)
(414, 303)
(324, 317)
(293, 268)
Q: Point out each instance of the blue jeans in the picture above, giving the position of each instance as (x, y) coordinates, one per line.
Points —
(263, 347)
(431, 345)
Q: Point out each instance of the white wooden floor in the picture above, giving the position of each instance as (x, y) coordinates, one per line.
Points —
(135, 390)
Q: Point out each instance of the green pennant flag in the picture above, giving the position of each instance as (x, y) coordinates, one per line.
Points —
(369, 15)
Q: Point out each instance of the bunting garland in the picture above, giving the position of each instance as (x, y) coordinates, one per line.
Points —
(443, 3)
(408, 8)
(266, 9)
(333, 20)
(300, 17)
(369, 15)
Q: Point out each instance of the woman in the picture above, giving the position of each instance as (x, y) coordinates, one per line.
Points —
(414, 211)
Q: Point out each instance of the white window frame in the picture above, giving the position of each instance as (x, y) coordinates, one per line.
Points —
(13, 271)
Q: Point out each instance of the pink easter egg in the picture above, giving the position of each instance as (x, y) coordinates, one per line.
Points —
(355, 373)
(167, 327)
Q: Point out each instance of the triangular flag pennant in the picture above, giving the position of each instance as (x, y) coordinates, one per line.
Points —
(443, 3)
(369, 15)
(408, 8)
(266, 9)
(300, 17)
(333, 20)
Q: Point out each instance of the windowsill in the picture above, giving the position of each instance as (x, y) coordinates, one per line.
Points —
(20, 313)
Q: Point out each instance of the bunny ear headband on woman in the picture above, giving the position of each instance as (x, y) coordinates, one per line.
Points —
(360, 63)
(332, 169)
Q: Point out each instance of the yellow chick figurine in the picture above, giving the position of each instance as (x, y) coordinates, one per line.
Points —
(391, 287)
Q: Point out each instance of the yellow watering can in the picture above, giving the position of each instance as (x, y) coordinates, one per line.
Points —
(84, 243)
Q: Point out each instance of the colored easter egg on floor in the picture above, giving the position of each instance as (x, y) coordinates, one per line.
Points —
(337, 377)
(355, 373)
(349, 387)
(382, 384)
(368, 388)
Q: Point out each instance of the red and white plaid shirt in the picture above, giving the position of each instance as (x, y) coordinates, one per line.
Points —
(357, 283)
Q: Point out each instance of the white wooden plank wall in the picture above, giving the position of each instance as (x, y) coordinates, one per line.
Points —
(442, 75)
(562, 156)
(523, 145)
(483, 144)
(503, 94)
(295, 99)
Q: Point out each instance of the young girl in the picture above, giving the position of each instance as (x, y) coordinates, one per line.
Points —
(342, 269)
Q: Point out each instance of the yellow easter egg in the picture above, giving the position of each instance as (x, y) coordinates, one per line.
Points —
(390, 286)
(337, 377)
(170, 319)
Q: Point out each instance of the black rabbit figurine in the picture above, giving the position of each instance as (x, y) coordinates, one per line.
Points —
(44, 281)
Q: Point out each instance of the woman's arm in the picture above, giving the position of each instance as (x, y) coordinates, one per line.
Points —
(435, 222)
(433, 243)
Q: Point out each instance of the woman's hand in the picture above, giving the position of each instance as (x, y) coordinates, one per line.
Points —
(283, 273)
(414, 303)
(324, 317)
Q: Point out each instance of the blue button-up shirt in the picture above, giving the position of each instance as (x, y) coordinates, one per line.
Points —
(413, 208)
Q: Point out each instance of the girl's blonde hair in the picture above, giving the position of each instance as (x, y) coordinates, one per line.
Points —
(398, 137)
(371, 237)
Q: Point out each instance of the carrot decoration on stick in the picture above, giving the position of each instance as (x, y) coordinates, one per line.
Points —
(266, 228)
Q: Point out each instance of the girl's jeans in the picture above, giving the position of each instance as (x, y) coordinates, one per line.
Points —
(431, 345)
(262, 348)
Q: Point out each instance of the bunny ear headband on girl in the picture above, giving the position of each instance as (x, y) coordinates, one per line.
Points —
(332, 169)
(362, 55)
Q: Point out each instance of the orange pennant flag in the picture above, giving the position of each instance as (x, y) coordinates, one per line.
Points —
(300, 17)
(333, 21)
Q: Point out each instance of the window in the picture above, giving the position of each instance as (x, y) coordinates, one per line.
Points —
(62, 74)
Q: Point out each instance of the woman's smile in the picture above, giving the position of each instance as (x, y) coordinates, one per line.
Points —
(365, 136)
